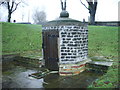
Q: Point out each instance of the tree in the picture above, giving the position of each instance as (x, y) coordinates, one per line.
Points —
(39, 17)
(92, 7)
(11, 6)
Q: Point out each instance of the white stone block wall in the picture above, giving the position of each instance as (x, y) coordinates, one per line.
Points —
(73, 44)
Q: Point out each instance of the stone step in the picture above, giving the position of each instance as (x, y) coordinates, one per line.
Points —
(102, 63)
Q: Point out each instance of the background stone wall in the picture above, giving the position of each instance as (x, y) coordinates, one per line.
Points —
(107, 23)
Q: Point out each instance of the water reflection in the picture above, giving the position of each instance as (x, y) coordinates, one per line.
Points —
(15, 76)
(20, 79)
(78, 81)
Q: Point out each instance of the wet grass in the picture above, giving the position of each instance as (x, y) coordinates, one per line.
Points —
(35, 54)
(103, 41)
(17, 38)
(109, 80)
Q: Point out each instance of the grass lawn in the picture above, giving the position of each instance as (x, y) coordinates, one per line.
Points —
(103, 41)
(17, 38)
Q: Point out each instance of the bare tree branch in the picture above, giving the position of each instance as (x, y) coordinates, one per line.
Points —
(1, 3)
(8, 5)
(95, 5)
(12, 6)
(16, 6)
(61, 4)
(90, 2)
(65, 5)
(84, 5)
(92, 9)
(86, 0)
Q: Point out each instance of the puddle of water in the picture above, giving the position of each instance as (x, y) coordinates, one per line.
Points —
(15, 76)
(78, 81)
(20, 79)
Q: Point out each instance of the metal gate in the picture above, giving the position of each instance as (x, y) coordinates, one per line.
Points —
(50, 49)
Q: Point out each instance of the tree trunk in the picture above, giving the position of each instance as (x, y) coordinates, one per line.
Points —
(92, 18)
(9, 11)
(9, 17)
(92, 11)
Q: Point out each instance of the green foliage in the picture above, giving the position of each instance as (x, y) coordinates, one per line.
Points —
(17, 38)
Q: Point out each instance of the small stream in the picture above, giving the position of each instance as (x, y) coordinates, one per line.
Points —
(16, 75)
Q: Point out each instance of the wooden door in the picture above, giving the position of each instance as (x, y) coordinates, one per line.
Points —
(50, 49)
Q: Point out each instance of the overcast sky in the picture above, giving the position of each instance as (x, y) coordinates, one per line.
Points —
(107, 10)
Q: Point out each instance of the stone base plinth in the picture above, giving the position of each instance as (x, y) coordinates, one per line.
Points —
(72, 69)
